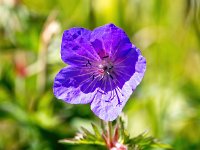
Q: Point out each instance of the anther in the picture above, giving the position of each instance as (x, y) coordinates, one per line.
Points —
(93, 77)
(105, 57)
(111, 76)
(110, 67)
(88, 63)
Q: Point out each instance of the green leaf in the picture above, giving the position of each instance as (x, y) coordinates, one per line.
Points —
(86, 142)
(143, 142)
(96, 131)
(86, 137)
(87, 133)
(124, 136)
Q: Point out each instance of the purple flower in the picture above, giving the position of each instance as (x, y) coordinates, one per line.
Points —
(104, 69)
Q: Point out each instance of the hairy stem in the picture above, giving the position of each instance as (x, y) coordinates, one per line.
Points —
(110, 133)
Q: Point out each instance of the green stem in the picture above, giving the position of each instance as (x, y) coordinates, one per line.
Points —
(103, 126)
(110, 132)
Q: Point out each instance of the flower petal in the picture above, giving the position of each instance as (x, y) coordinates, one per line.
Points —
(110, 40)
(67, 86)
(125, 66)
(76, 48)
(140, 68)
(108, 106)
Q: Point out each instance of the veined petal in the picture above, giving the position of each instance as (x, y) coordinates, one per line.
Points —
(67, 86)
(108, 106)
(125, 67)
(110, 40)
(75, 47)
(140, 68)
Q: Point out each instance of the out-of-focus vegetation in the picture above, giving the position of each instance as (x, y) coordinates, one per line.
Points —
(167, 103)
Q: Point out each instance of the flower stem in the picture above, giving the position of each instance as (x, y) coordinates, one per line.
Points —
(110, 133)
(103, 126)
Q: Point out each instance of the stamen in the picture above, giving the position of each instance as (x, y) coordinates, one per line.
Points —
(93, 77)
(105, 56)
(111, 76)
(112, 96)
(101, 78)
(118, 99)
(88, 63)
(120, 91)
(102, 92)
(110, 67)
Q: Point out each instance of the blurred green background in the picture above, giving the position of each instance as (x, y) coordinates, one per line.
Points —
(166, 104)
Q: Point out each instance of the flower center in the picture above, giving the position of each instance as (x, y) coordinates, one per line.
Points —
(102, 69)
(105, 68)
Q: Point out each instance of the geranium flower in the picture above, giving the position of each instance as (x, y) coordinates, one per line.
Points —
(104, 69)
